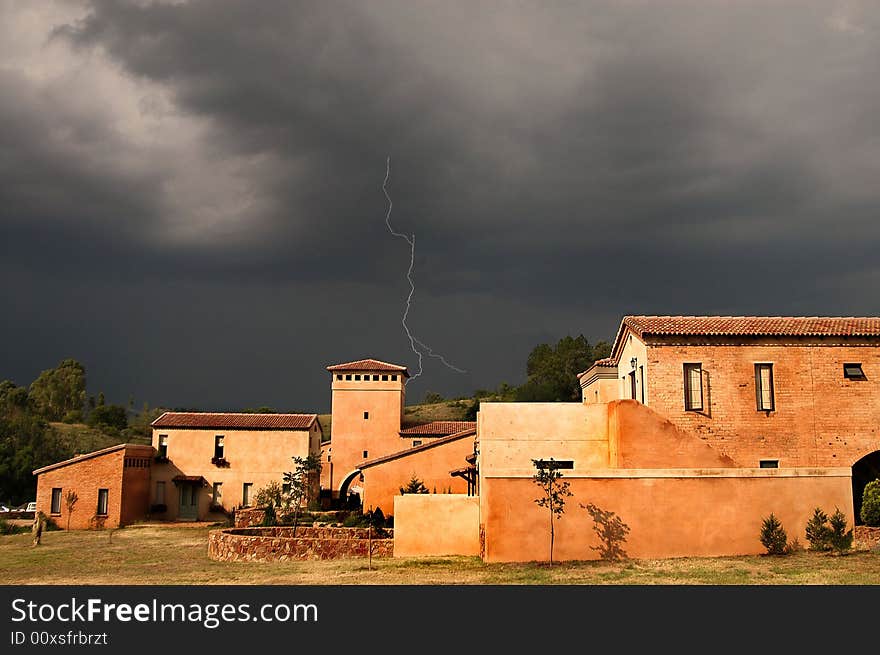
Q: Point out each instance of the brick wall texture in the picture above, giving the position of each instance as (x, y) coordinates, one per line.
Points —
(820, 417)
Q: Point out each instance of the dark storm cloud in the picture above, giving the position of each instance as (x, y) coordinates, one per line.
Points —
(560, 164)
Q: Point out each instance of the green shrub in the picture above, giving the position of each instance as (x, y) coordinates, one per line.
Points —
(773, 536)
(871, 504)
(841, 540)
(269, 517)
(818, 531)
(9, 528)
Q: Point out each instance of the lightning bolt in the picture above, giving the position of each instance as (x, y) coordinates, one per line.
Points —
(411, 240)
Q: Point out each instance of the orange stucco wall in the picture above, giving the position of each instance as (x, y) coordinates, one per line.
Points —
(639, 437)
(436, 524)
(512, 434)
(671, 513)
(255, 456)
(432, 465)
(126, 485)
(820, 418)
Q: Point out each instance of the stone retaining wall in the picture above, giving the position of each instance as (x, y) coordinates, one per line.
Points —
(248, 517)
(279, 544)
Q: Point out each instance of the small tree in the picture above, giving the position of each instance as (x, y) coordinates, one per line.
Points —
(553, 493)
(70, 499)
(611, 530)
(269, 516)
(870, 511)
(414, 486)
(818, 532)
(301, 481)
(773, 536)
(841, 540)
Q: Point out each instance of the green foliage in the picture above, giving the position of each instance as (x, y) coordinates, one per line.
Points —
(262, 409)
(554, 491)
(7, 528)
(303, 481)
(611, 531)
(110, 416)
(59, 390)
(26, 443)
(272, 494)
(414, 486)
(870, 511)
(12, 398)
(139, 428)
(552, 369)
(840, 539)
(269, 516)
(773, 536)
(818, 531)
(432, 398)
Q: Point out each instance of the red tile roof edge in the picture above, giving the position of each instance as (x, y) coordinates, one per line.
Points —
(94, 453)
(229, 420)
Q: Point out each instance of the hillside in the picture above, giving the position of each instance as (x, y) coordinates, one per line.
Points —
(81, 438)
(449, 410)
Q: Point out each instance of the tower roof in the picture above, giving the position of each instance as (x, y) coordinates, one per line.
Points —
(368, 365)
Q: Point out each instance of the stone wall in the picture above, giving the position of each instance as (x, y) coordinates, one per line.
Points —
(249, 517)
(279, 544)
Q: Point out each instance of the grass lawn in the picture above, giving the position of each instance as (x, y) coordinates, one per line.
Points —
(175, 555)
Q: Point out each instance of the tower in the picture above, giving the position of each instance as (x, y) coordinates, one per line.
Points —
(368, 398)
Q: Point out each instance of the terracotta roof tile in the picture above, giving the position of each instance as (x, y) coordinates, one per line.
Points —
(439, 428)
(793, 326)
(369, 365)
(240, 421)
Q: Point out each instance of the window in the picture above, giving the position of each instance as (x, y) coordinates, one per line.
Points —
(102, 502)
(339, 376)
(246, 489)
(554, 463)
(217, 494)
(769, 464)
(375, 378)
(416, 442)
(394, 378)
(348, 376)
(218, 446)
(160, 493)
(357, 377)
(56, 501)
(632, 384)
(384, 378)
(853, 372)
(642, 383)
(285, 488)
(163, 445)
(366, 415)
(693, 387)
(764, 387)
(366, 454)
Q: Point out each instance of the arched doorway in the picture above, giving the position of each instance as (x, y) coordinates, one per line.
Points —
(351, 491)
(863, 471)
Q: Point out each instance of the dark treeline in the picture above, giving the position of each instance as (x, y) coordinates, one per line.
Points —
(28, 440)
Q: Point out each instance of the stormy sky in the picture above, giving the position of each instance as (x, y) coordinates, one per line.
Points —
(191, 192)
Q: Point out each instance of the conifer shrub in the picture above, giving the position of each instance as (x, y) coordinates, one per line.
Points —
(870, 512)
(818, 531)
(841, 540)
(773, 536)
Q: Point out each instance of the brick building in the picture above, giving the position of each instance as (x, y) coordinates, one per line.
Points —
(770, 392)
(112, 486)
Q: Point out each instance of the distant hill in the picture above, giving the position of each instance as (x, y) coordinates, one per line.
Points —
(79, 438)
(448, 410)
